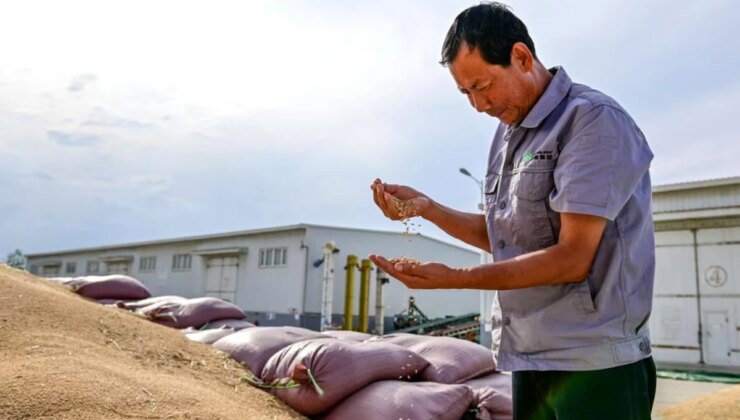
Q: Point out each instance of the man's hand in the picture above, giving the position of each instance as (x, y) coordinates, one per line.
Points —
(422, 276)
(384, 194)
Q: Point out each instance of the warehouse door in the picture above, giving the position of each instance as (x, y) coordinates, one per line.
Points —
(117, 267)
(718, 342)
(719, 281)
(221, 277)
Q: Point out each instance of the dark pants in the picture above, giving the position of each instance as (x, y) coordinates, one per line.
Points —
(624, 392)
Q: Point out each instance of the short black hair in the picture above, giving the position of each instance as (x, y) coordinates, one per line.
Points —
(490, 26)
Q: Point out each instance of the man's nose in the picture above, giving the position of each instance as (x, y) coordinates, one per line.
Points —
(480, 103)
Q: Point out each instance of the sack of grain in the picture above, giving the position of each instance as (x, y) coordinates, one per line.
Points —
(135, 305)
(209, 336)
(348, 335)
(236, 324)
(115, 286)
(451, 360)
(404, 400)
(253, 347)
(192, 312)
(492, 396)
(325, 371)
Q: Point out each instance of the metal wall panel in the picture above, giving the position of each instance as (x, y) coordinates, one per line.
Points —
(709, 259)
(697, 198)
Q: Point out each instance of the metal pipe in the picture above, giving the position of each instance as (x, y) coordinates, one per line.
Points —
(365, 268)
(349, 291)
(327, 290)
(305, 278)
(381, 279)
(700, 332)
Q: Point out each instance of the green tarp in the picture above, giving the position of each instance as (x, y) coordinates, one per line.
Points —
(725, 378)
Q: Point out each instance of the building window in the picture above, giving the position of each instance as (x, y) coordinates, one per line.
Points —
(273, 257)
(93, 267)
(117, 267)
(181, 262)
(148, 264)
(71, 268)
(51, 270)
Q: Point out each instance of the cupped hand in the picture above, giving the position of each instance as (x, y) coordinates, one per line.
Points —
(421, 276)
(388, 197)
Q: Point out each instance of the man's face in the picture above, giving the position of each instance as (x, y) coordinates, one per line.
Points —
(501, 92)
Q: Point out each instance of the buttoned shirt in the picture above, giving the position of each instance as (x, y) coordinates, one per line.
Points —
(576, 151)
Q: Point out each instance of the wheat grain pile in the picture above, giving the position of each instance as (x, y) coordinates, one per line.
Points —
(721, 405)
(64, 357)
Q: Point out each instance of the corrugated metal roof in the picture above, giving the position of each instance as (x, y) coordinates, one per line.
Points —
(692, 185)
(716, 195)
(171, 240)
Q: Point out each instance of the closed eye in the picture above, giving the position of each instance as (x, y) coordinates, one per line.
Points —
(482, 87)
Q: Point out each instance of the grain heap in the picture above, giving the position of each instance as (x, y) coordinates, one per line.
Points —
(66, 357)
(406, 260)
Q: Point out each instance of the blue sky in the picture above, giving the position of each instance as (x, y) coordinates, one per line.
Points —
(138, 120)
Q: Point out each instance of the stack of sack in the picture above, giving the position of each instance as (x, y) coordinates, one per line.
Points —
(336, 374)
(329, 375)
(204, 319)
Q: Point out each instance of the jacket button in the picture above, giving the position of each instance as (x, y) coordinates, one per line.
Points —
(502, 204)
(507, 321)
(500, 243)
(643, 347)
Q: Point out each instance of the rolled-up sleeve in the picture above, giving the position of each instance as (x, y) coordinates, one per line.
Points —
(601, 165)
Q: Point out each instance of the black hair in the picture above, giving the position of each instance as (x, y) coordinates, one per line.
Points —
(490, 26)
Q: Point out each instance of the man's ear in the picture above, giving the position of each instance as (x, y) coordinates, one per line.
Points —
(522, 57)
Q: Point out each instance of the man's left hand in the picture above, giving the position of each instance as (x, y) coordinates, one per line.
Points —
(422, 276)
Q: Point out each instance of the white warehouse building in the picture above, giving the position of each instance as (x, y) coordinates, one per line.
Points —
(696, 301)
(271, 273)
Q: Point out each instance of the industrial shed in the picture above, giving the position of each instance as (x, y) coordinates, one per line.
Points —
(696, 306)
(274, 274)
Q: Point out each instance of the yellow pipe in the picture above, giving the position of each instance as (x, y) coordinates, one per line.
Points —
(365, 269)
(349, 291)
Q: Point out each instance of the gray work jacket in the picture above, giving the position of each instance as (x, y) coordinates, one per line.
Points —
(576, 151)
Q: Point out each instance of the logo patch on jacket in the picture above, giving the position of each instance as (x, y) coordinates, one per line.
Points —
(538, 155)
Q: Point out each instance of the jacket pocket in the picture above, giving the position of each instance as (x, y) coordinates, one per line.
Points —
(532, 228)
(490, 187)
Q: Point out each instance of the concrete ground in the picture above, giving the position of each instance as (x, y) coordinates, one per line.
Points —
(672, 391)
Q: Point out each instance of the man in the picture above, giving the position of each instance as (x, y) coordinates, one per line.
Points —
(568, 220)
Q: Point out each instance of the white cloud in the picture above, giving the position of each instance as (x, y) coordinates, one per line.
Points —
(73, 139)
(78, 83)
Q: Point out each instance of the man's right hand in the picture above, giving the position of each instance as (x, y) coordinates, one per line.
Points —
(384, 194)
